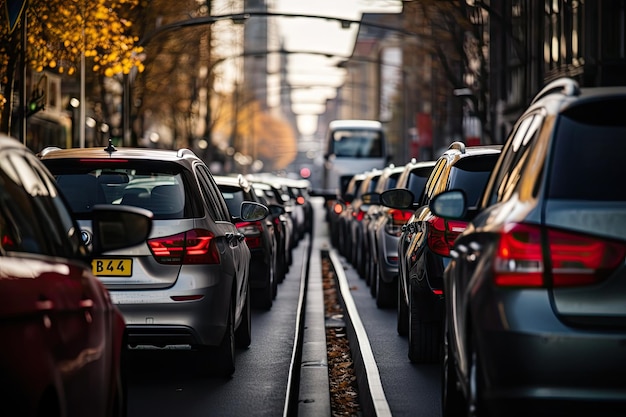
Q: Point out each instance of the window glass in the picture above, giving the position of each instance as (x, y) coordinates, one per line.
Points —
(471, 175)
(417, 183)
(30, 219)
(588, 155)
(233, 196)
(357, 143)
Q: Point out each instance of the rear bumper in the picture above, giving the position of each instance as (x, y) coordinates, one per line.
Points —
(537, 363)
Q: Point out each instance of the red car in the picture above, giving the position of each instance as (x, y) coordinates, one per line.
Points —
(61, 335)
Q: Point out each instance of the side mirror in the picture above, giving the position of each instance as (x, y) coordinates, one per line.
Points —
(252, 211)
(399, 198)
(371, 198)
(449, 204)
(116, 227)
(276, 210)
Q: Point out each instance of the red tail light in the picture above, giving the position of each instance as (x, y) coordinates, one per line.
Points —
(442, 233)
(337, 208)
(397, 219)
(300, 200)
(195, 246)
(573, 259)
(358, 215)
(252, 231)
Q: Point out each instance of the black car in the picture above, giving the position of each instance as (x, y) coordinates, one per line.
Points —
(427, 239)
(536, 290)
(260, 236)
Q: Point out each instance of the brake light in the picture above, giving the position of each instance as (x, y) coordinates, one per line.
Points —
(442, 233)
(573, 259)
(397, 219)
(300, 200)
(337, 208)
(358, 215)
(252, 231)
(195, 246)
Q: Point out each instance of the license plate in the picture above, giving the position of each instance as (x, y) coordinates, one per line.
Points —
(112, 267)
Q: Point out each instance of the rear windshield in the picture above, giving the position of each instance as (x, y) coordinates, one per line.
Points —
(588, 154)
(471, 175)
(151, 187)
(417, 182)
(233, 196)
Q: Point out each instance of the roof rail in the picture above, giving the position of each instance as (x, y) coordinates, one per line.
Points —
(566, 86)
(48, 149)
(184, 151)
(459, 146)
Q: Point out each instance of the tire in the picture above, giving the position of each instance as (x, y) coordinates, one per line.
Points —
(475, 405)
(223, 358)
(264, 297)
(403, 312)
(452, 400)
(243, 334)
(374, 282)
(386, 293)
(424, 336)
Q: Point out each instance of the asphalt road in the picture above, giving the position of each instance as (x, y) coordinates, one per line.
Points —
(166, 383)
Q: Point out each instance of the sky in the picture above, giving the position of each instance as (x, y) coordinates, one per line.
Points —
(325, 37)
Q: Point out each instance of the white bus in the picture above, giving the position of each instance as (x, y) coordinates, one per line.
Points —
(352, 147)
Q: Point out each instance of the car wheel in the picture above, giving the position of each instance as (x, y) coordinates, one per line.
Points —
(403, 319)
(424, 336)
(243, 334)
(452, 402)
(224, 358)
(264, 297)
(374, 282)
(474, 404)
(386, 293)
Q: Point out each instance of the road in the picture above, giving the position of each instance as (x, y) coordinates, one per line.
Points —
(166, 382)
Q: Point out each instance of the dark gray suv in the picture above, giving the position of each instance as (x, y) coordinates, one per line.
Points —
(187, 285)
(536, 289)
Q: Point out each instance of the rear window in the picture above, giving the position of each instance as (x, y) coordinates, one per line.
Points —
(233, 196)
(158, 188)
(417, 182)
(471, 175)
(588, 153)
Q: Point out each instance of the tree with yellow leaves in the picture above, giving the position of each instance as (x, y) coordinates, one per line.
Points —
(59, 31)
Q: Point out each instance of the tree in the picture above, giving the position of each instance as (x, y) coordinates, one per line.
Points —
(59, 31)
(458, 48)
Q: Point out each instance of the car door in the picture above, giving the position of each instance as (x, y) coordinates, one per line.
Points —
(44, 282)
(235, 252)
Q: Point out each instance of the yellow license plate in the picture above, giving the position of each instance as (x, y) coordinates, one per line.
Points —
(112, 267)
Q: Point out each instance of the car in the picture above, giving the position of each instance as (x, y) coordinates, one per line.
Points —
(375, 210)
(260, 237)
(427, 239)
(385, 235)
(535, 296)
(336, 205)
(272, 196)
(355, 219)
(62, 337)
(187, 285)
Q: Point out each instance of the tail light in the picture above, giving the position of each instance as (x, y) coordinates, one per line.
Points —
(571, 259)
(337, 208)
(358, 215)
(300, 200)
(195, 246)
(396, 219)
(442, 233)
(252, 231)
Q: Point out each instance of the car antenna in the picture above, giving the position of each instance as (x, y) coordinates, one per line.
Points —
(110, 149)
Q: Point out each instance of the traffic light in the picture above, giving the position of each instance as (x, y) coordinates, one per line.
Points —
(36, 102)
